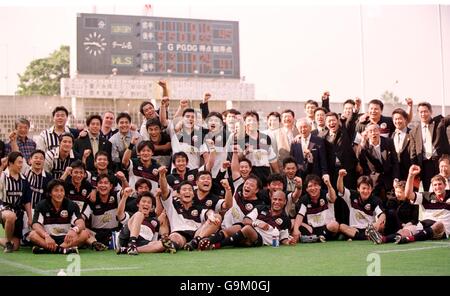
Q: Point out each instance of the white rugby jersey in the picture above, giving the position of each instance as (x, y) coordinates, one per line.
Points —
(104, 215)
(361, 212)
(136, 171)
(182, 219)
(435, 210)
(316, 214)
(189, 144)
(239, 210)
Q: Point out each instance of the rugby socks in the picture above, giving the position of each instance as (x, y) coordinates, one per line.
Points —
(233, 240)
(133, 240)
(425, 234)
(217, 237)
(389, 238)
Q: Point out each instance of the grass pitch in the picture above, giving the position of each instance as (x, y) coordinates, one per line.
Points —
(330, 258)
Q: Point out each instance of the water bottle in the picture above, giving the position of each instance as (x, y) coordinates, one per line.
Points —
(275, 240)
(112, 242)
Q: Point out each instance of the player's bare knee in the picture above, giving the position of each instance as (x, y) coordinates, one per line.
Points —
(33, 235)
(333, 226)
(404, 232)
(9, 216)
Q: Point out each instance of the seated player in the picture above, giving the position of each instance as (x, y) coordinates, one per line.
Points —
(140, 234)
(316, 211)
(402, 217)
(366, 213)
(435, 221)
(187, 219)
(262, 225)
(57, 223)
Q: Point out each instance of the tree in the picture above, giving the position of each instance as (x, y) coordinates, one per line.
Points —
(389, 97)
(43, 76)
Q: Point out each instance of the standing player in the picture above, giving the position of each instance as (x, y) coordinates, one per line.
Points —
(15, 197)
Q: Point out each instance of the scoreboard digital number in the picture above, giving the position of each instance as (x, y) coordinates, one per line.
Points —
(141, 45)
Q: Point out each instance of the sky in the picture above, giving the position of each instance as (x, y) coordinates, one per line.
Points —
(288, 51)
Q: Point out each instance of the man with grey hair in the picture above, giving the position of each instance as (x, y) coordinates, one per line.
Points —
(19, 140)
(309, 151)
(378, 160)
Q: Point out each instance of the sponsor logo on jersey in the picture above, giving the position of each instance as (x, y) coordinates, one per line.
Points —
(322, 202)
(176, 182)
(111, 199)
(72, 192)
(308, 206)
(190, 178)
(248, 206)
(209, 203)
(154, 223)
(367, 207)
(64, 214)
(383, 125)
(84, 192)
(279, 221)
(140, 168)
(155, 172)
(194, 213)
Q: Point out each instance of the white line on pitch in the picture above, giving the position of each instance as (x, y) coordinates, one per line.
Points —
(99, 269)
(411, 249)
(24, 267)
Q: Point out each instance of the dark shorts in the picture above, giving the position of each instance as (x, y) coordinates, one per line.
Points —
(124, 238)
(103, 235)
(188, 234)
(18, 225)
(59, 239)
(325, 232)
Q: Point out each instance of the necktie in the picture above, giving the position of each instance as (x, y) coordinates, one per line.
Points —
(124, 142)
(427, 143)
(94, 143)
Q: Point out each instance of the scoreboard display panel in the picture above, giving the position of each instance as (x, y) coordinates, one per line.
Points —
(142, 45)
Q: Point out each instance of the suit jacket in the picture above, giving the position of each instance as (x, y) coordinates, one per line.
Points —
(404, 156)
(387, 168)
(84, 143)
(284, 149)
(417, 148)
(342, 148)
(319, 164)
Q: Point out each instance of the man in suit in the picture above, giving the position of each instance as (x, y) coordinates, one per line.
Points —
(309, 151)
(285, 135)
(378, 159)
(92, 142)
(426, 144)
(340, 155)
(401, 138)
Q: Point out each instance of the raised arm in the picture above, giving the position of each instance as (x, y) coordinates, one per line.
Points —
(340, 181)
(414, 170)
(204, 105)
(409, 110)
(127, 154)
(126, 192)
(163, 111)
(331, 191)
(162, 170)
(227, 204)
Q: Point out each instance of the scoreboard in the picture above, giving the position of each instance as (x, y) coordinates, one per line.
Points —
(142, 45)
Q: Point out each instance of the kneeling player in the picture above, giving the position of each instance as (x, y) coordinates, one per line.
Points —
(366, 213)
(57, 223)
